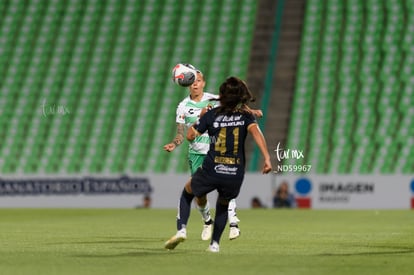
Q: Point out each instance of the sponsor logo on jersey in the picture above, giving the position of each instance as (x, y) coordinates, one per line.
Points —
(232, 124)
(228, 121)
(226, 160)
(226, 170)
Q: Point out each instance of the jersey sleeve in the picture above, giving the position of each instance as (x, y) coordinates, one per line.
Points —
(250, 120)
(180, 114)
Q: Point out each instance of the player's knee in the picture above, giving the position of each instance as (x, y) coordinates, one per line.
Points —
(201, 201)
(188, 187)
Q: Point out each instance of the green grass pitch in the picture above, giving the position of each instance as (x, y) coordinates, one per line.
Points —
(106, 241)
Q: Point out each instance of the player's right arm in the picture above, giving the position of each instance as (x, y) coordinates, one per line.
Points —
(261, 143)
(180, 134)
(179, 138)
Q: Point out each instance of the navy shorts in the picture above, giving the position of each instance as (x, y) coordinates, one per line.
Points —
(202, 183)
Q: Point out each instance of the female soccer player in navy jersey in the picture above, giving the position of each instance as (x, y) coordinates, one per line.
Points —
(223, 168)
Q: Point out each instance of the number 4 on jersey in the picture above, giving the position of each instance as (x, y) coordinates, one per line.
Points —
(220, 145)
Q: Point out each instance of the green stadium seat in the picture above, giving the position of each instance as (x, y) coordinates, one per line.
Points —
(367, 69)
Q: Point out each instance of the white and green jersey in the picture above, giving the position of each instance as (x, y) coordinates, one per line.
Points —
(188, 112)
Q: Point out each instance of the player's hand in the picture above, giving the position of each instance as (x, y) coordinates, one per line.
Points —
(203, 111)
(169, 147)
(257, 113)
(206, 109)
(267, 167)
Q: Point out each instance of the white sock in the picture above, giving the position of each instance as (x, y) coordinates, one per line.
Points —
(205, 212)
(233, 220)
(183, 230)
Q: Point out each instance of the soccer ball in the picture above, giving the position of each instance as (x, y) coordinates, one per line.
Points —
(184, 74)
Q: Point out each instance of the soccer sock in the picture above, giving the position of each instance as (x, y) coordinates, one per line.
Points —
(220, 221)
(205, 212)
(232, 212)
(184, 208)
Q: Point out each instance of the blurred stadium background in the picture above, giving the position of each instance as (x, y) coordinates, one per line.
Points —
(85, 86)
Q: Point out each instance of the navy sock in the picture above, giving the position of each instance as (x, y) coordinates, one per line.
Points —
(220, 221)
(184, 209)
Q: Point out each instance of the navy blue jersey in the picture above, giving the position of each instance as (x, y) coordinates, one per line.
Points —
(226, 156)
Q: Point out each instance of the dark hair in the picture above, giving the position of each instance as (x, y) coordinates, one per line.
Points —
(233, 94)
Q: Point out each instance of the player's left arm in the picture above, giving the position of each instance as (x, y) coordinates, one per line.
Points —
(261, 143)
(256, 112)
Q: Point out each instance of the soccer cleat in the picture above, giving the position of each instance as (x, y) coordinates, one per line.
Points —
(233, 220)
(175, 240)
(234, 232)
(207, 231)
(214, 247)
